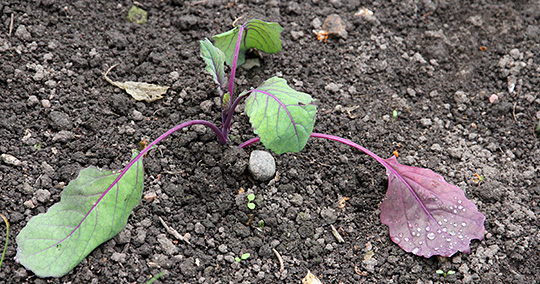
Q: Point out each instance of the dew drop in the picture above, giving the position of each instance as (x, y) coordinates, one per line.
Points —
(438, 231)
(419, 230)
(460, 236)
(444, 229)
(431, 235)
(427, 229)
(448, 240)
(445, 220)
(436, 249)
(406, 239)
(440, 223)
(420, 242)
(415, 250)
(400, 235)
(455, 211)
(452, 233)
(464, 224)
(460, 207)
(459, 201)
(409, 224)
(455, 224)
(397, 240)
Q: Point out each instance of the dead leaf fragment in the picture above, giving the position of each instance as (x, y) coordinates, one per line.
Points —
(334, 25)
(311, 279)
(140, 91)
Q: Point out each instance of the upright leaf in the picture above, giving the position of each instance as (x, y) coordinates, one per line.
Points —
(257, 34)
(215, 62)
(54, 242)
(282, 117)
(434, 218)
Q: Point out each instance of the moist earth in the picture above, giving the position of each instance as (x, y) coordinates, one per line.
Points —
(462, 76)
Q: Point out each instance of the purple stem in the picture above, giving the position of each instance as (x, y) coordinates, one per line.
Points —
(366, 151)
(235, 59)
(227, 124)
(222, 140)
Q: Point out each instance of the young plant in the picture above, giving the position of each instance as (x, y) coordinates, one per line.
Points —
(425, 215)
(7, 239)
(242, 257)
(444, 274)
(250, 198)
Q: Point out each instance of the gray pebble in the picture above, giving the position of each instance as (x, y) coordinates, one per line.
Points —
(32, 101)
(137, 115)
(222, 248)
(461, 98)
(297, 199)
(63, 136)
(329, 215)
(316, 23)
(43, 195)
(119, 257)
(60, 120)
(296, 35)
(23, 33)
(46, 103)
(262, 165)
(206, 106)
(167, 245)
(174, 75)
(199, 228)
(436, 147)
(426, 122)
(10, 160)
(369, 265)
(229, 258)
(332, 87)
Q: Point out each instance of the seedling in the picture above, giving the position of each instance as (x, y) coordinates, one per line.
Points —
(425, 214)
(250, 198)
(449, 272)
(242, 257)
(394, 114)
(7, 239)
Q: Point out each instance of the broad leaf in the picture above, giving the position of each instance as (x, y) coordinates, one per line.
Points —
(434, 218)
(215, 61)
(282, 117)
(54, 242)
(257, 34)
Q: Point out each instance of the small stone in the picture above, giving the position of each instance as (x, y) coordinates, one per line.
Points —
(42, 195)
(29, 204)
(411, 92)
(516, 54)
(199, 228)
(206, 106)
(167, 245)
(297, 199)
(174, 75)
(150, 196)
(461, 98)
(369, 265)
(334, 25)
(32, 101)
(23, 33)
(63, 136)
(493, 98)
(10, 160)
(137, 115)
(436, 147)
(46, 168)
(316, 23)
(297, 34)
(426, 122)
(262, 165)
(222, 248)
(329, 215)
(60, 120)
(251, 63)
(188, 268)
(119, 257)
(46, 103)
(332, 87)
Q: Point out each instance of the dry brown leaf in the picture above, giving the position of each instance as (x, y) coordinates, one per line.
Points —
(311, 279)
(140, 91)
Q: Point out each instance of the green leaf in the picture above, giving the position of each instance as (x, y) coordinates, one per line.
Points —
(215, 62)
(257, 34)
(54, 242)
(282, 117)
(251, 205)
(251, 197)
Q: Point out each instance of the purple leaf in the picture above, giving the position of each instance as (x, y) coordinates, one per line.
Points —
(426, 215)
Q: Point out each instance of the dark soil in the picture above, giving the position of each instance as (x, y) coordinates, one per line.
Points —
(436, 62)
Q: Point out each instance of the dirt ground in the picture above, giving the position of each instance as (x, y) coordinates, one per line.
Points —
(437, 63)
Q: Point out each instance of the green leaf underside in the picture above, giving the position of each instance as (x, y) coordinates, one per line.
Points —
(283, 122)
(54, 242)
(215, 62)
(257, 34)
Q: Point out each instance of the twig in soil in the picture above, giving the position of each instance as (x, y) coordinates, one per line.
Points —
(173, 232)
(10, 26)
(281, 266)
(336, 234)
